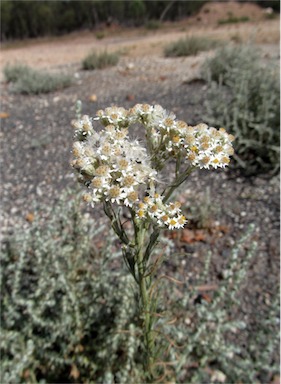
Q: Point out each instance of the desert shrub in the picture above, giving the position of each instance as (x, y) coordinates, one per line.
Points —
(29, 81)
(39, 82)
(190, 46)
(153, 24)
(100, 35)
(69, 310)
(226, 58)
(14, 72)
(233, 20)
(207, 338)
(244, 96)
(202, 210)
(68, 307)
(100, 60)
(64, 311)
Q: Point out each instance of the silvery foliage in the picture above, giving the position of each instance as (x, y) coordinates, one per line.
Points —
(63, 309)
(244, 95)
(205, 343)
(68, 306)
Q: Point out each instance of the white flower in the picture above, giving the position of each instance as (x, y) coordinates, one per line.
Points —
(113, 115)
(117, 169)
(83, 126)
(115, 194)
(132, 198)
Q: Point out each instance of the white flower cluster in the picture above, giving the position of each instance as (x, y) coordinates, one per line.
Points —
(110, 165)
(119, 170)
(202, 146)
(163, 214)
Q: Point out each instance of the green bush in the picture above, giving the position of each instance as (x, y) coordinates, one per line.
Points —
(100, 61)
(244, 97)
(29, 81)
(190, 46)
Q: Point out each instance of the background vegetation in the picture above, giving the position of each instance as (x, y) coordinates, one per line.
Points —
(23, 18)
(190, 45)
(244, 95)
(69, 310)
(100, 60)
(26, 80)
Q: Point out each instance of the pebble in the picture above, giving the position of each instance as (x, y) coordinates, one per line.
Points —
(39, 191)
(130, 65)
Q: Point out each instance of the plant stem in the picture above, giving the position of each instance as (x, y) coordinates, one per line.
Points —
(177, 182)
(146, 304)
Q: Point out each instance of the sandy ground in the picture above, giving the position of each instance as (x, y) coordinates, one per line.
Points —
(72, 48)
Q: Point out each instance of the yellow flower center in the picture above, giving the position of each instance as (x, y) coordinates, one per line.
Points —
(128, 181)
(97, 182)
(114, 192)
(133, 196)
(175, 139)
(172, 222)
(141, 213)
(102, 170)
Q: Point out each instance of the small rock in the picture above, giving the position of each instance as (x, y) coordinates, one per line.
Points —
(130, 66)
(188, 248)
(29, 217)
(4, 115)
(187, 321)
(130, 97)
(93, 98)
(39, 191)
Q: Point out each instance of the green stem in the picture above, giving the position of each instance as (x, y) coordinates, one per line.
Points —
(136, 255)
(177, 182)
(146, 304)
(115, 222)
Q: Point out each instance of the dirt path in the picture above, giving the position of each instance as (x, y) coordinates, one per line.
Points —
(72, 48)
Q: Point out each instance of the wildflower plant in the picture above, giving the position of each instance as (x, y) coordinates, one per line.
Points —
(126, 176)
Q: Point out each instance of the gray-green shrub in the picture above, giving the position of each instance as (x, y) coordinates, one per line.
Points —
(14, 72)
(244, 96)
(226, 58)
(64, 309)
(233, 20)
(209, 342)
(29, 81)
(100, 60)
(189, 46)
(153, 24)
(68, 310)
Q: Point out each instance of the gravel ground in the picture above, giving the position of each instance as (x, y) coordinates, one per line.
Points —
(37, 136)
(36, 150)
